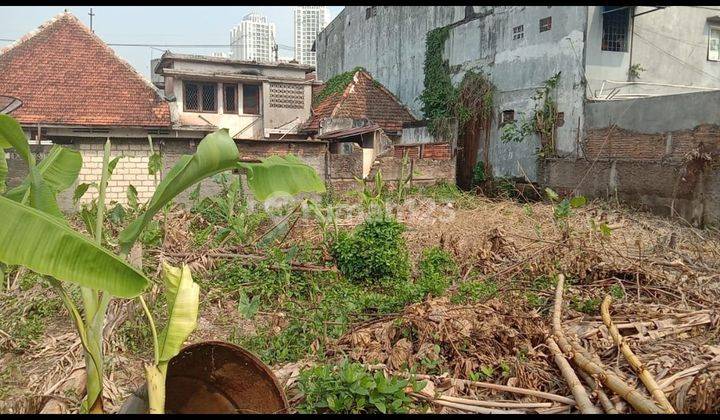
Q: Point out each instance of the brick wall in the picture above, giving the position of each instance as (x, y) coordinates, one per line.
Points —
(437, 151)
(609, 143)
(132, 169)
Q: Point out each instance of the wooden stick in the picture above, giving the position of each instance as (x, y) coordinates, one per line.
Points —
(605, 402)
(584, 361)
(470, 408)
(578, 390)
(633, 360)
(500, 404)
(507, 388)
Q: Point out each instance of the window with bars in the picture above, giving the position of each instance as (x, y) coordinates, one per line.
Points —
(370, 12)
(200, 97)
(714, 44)
(546, 24)
(616, 20)
(251, 99)
(518, 32)
(230, 96)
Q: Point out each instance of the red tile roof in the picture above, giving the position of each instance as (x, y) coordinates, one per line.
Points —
(64, 74)
(362, 98)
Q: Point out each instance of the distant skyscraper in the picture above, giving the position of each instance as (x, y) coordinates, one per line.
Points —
(308, 21)
(253, 39)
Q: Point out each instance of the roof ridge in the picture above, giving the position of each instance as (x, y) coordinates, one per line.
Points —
(36, 31)
(346, 92)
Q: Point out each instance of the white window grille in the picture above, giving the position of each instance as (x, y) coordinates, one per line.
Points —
(714, 44)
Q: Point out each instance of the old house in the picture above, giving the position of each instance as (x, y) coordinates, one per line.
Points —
(637, 91)
(252, 100)
(73, 90)
(364, 123)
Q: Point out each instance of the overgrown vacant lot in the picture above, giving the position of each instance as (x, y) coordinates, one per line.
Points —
(421, 308)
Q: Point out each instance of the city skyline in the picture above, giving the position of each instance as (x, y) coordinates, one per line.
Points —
(253, 39)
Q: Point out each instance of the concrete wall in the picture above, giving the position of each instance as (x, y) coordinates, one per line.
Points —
(671, 44)
(640, 152)
(391, 46)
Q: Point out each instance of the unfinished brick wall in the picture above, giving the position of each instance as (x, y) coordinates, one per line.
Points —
(437, 151)
(616, 143)
(132, 169)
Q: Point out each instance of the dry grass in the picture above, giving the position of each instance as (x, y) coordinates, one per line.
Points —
(668, 273)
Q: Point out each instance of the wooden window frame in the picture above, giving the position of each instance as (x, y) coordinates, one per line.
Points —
(200, 108)
(237, 100)
(259, 100)
(549, 24)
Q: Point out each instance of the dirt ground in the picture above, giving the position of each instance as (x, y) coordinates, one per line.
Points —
(664, 277)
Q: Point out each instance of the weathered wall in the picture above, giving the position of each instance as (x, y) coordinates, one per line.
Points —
(132, 169)
(391, 46)
(424, 171)
(670, 44)
(638, 150)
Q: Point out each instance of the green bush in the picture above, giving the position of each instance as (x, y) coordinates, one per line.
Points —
(374, 253)
(473, 291)
(352, 389)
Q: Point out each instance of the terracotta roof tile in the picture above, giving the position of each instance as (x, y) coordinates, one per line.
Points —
(64, 74)
(362, 98)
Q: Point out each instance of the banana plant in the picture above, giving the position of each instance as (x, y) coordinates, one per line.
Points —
(35, 235)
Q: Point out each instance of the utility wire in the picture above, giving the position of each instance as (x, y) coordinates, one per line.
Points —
(287, 47)
(677, 58)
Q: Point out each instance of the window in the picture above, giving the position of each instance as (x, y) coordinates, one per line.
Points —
(370, 12)
(251, 99)
(615, 21)
(200, 97)
(518, 32)
(714, 44)
(507, 117)
(230, 95)
(546, 24)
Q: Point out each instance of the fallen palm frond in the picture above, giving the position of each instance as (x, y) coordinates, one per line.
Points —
(584, 361)
(636, 364)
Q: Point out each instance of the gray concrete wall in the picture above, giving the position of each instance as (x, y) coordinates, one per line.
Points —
(671, 44)
(657, 114)
(391, 46)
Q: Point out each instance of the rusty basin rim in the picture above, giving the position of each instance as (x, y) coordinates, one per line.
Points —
(240, 353)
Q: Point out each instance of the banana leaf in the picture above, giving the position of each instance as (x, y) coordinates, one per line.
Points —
(277, 174)
(216, 153)
(3, 170)
(59, 170)
(35, 240)
(182, 295)
(42, 197)
(11, 135)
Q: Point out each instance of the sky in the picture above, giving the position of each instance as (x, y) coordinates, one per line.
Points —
(155, 25)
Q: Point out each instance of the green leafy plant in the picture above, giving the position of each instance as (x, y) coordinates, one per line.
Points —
(474, 291)
(43, 242)
(374, 252)
(248, 307)
(352, 389)
(617, 292)
(478, 174)
(336, 84)
(562, 209)
(438, 270)
(635, 70)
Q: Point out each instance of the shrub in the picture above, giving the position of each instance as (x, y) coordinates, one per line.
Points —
(374, 253)
(352, 389)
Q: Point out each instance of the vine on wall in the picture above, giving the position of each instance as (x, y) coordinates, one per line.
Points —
(542, 122)
(469, 104)
(438, 95)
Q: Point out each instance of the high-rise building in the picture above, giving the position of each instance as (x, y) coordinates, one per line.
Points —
(253, 39)
(308, 21)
